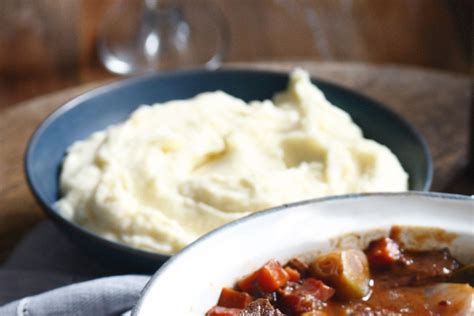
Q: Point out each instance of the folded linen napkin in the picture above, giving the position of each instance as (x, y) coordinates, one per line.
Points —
(41, 278)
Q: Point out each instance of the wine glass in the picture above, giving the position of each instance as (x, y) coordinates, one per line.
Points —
(150, 35)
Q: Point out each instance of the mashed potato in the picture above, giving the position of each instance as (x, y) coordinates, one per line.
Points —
(177, 170)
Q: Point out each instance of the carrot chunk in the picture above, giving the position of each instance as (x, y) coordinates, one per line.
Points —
(223, 311)
(272, 276)
(383, 253)
(293, 275)
(249, 282)
(233, 299)
(267, 279)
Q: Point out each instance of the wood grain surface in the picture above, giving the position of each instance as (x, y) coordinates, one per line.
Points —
(437, 103)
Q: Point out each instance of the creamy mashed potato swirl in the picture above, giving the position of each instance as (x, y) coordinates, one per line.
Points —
(177, 170)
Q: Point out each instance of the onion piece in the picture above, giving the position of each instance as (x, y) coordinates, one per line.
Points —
(450, 299)
(345, 270)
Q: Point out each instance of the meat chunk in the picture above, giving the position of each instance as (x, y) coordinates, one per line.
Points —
(383, 253)
(297, 299)
(298, 265)
(419, 268)
(260, 307)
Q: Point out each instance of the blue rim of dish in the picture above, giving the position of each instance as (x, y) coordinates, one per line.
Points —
(428, 195)
(55, 216)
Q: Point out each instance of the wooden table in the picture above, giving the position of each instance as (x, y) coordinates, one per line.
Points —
(437, 103)
(48, 45)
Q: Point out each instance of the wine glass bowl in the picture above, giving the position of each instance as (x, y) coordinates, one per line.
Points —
(144, 36)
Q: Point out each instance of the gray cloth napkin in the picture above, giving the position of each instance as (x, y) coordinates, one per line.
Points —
(48, 275)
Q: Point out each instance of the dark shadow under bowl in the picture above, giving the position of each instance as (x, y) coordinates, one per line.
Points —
(112, 103)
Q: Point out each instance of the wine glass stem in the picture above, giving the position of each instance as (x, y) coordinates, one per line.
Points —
(151, 4)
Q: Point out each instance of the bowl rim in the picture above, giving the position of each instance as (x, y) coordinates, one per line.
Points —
(357, 196)
(121, 83)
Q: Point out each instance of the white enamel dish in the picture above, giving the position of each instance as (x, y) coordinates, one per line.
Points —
(190, 282)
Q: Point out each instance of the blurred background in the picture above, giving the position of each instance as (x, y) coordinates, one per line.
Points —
(50, 45)
(47, 45)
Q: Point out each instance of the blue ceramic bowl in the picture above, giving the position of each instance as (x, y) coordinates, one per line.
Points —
(112, 103)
